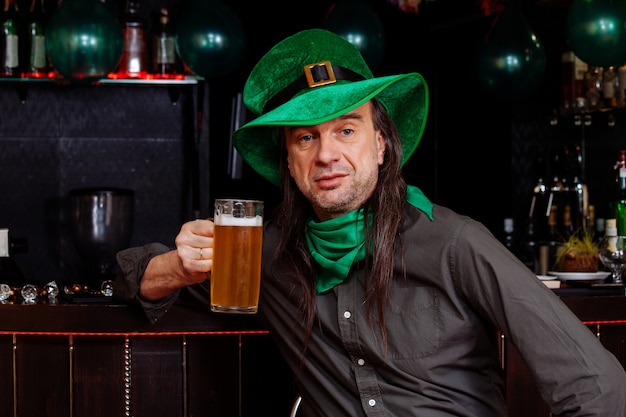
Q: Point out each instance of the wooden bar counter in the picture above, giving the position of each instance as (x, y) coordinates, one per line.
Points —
(71, 360)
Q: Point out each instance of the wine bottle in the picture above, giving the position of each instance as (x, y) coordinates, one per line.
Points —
(39, 63)
(617, 205)
(11, 65)
(164, 56)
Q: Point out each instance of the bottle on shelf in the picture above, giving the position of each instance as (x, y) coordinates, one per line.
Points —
(550, 242)
(509, 234)
(617, 203)
(39, 65)
(10, 45)
(609, 87)
(165, 61)
(590, 225)
(134, 60)
(599, 229)
(621, 83)
(558, 191)
(521, 248)
(573, 73)
(576, 219)
(593, 87)
(567, 227)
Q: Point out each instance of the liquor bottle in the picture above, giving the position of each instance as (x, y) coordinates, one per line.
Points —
(609, 87)
(593, 86)
(11, 31)
(567, 227)
(536, 226)
(550, 243)
(617, 204)
(573, 73)
(590, 226)
(134, 60)
(559, 188)
(509, 234)
(621, 83)
(524, 249)
(599, 230)
(39, 63)
(164, 57)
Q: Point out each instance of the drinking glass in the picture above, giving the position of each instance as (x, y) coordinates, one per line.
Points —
(237, 247)
(613, 256)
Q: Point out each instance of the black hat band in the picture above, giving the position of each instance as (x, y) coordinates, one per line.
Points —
(315, 75)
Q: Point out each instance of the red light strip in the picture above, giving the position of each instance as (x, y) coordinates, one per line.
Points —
(604, 322)
(125, 334)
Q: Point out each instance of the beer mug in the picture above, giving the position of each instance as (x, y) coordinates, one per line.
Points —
(237, 247)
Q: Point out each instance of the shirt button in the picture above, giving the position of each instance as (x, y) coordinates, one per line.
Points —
(372, 403)
(347, 314)
(361, 362)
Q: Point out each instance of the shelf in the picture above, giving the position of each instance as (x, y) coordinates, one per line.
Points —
(21, 84)
(188, 80)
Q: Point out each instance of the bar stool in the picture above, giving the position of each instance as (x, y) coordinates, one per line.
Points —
(295, 407)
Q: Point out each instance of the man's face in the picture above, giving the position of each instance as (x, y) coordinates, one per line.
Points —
(335, 164)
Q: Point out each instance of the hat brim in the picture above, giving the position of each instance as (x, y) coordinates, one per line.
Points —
(404, 96)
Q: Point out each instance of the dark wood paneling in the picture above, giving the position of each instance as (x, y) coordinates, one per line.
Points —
(98, 376)
(214, 380)
(6, 375)
(613, 337)
(157, 388)
(192, 363)
(42, 376)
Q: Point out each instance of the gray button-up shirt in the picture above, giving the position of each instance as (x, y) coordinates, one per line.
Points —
(441, 358)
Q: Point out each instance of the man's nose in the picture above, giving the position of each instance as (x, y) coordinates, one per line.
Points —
(328, 148)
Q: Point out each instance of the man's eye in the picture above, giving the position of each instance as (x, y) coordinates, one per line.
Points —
(346, 132)
(306, 138)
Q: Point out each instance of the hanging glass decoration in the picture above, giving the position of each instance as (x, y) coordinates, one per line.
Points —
(210, 38)
(596, 31)
(357, 23)
(83, 40)
(511, 61)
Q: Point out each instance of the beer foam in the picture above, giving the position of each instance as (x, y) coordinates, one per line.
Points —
(229, 220)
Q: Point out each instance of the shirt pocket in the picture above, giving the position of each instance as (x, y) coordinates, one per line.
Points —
(414, 324)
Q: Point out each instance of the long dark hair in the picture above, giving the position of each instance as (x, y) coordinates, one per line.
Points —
(386, 203)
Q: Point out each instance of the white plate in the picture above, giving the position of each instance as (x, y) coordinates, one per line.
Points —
(546, 277)
(579, 276)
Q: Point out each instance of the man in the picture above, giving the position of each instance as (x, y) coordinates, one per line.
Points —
(382, 303)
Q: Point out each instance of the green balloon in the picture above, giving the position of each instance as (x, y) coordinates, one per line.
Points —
(210, 38)
(512, 61)
(357, 23)
(84, 40)
(596, 31)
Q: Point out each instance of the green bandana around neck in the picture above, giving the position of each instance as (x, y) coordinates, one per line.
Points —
(339, 243)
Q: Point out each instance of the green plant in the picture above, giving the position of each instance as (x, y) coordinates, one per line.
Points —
(579, 252)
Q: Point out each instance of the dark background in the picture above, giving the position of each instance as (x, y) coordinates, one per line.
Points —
(480, 154)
